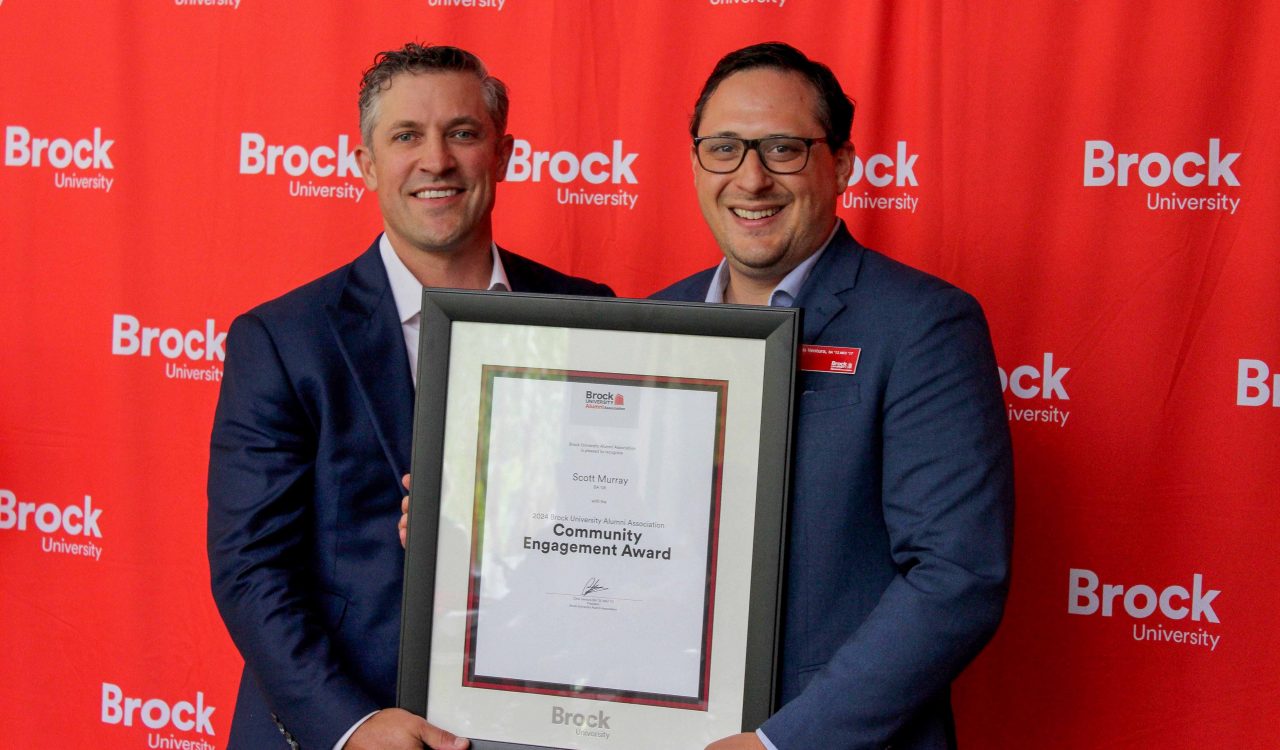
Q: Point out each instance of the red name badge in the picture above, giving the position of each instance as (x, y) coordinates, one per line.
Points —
(841, 359)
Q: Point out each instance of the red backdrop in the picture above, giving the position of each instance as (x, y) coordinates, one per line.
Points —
(1132, 300)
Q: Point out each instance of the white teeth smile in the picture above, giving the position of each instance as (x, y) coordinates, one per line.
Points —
(745, 214)
(436, 193)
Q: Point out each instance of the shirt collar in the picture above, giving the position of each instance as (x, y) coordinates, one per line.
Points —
(408, 292)
(787, 290)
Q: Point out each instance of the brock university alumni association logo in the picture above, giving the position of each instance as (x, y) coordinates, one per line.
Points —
(605, 400)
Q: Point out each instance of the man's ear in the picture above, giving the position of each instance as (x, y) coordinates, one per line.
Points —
(368, 168)
(505, 147)
(844, 165)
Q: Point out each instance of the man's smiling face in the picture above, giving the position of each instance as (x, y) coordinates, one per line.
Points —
(434, 160)
(766, 223)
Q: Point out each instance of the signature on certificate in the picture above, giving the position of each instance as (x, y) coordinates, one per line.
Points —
(592, 586)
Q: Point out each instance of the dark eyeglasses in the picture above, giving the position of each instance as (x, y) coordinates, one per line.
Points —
(780, 154)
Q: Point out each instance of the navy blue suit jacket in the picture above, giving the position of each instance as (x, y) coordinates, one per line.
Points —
(901, 507)
(310, 438)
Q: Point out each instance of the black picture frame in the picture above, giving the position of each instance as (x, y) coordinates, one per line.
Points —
(776, 328)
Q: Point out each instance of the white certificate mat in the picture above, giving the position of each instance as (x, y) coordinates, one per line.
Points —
(610, 564)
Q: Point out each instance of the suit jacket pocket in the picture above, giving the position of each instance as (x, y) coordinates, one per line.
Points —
(824, 399)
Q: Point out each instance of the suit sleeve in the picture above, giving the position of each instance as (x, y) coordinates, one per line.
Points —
(261, 519)
(947, 496)
(600, 290)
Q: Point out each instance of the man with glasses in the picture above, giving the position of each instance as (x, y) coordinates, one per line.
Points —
(900, 524)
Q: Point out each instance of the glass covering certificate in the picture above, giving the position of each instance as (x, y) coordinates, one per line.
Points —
(594, 553)
(604, 584)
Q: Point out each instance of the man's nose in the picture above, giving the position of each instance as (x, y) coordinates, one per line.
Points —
(751, 175)
(435, 157)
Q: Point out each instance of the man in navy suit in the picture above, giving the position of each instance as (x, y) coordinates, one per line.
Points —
(902, 502)
(313, 425)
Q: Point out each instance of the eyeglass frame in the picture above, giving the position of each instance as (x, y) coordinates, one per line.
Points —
(753, 144)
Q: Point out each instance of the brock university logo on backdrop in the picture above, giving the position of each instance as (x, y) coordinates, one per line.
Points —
(192, 354)
(597, 178)
(1252, 385)
(81, 161)
(749, 3)
(1210, 174)
(190, 717)
(486, 5)
(73, 529)
(1037, 393)
(1190, 613)
(317, 172)
(894, 173)
(209, 4)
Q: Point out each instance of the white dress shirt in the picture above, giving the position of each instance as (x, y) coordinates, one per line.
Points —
(408, 295)
(785, 293)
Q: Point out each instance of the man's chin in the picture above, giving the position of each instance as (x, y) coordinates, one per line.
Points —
(755, 259)
(439, 243)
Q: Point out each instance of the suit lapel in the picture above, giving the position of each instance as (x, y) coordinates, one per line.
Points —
(822, 296)
(519, 274)
(367, 327)
(698, 285)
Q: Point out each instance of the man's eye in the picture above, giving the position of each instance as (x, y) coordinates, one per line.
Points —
(464, 135)
(782, 149)
(725, 148)
(403, 137)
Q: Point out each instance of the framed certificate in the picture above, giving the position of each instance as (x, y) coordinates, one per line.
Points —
(597, 522)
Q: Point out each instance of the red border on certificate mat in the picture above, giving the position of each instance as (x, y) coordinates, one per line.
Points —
(469, 677)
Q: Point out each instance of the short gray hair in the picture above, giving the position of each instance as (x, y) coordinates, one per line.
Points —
(417, 58)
